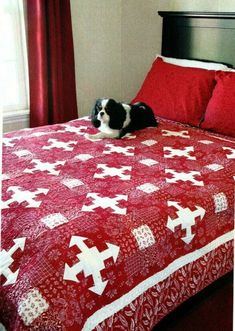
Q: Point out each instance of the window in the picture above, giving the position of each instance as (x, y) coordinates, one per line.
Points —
(13, 58)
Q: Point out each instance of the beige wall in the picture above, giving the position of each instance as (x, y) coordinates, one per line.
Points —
(116, 41)
(97, 45)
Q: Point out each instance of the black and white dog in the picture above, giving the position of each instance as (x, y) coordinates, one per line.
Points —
(115, 119)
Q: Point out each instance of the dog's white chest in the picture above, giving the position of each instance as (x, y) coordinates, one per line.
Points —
(106, 129)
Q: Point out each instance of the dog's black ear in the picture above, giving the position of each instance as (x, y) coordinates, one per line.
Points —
(117, 114)
(112, 105)
(97, 105)
(94, 113)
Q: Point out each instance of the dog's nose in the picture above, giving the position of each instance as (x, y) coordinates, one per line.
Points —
(101, 113)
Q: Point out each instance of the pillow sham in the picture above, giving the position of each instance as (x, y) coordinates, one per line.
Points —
(177, 93)
(194, 63)
(220, 112)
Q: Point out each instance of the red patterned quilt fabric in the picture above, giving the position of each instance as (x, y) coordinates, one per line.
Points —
(111, 234)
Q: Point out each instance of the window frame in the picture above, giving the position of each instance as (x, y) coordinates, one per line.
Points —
(22, 107)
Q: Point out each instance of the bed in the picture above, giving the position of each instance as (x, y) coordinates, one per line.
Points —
(116, 234)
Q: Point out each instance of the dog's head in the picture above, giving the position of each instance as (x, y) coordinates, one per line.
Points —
(108, 112)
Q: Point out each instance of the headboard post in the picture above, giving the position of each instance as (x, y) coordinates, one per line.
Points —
(208, 36)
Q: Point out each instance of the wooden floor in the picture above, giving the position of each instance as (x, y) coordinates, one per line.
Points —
(209, 310)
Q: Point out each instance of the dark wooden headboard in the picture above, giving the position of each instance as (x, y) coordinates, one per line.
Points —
(199, 35)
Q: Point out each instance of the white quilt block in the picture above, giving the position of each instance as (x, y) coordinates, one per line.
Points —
(149, 162)
(72, 182)
(5, 177)
(22, 153)
(50, 168)
(148, 188)
(206, 142)
(171, 133)
(83, 157)
(149, 142)
(231, 152)
(77, 130)
(54, 143)
(54, 220)
(170, 152)
(19, 195)
(214, 167)
(221, 202)
(127, 150)
(32, 306)
(105, 203)
(143, 236)
(106, 171)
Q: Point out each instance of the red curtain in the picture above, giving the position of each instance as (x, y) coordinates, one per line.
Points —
(51, 62)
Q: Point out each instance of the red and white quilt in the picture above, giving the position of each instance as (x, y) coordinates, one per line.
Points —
(111, 234)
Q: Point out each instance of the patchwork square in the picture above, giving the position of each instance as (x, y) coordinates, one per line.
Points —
(148, 188)
(32, 306)
(72, 182)
(22, 153)
(206, 142)
(83, 157)
(148, 162)
(54, 220)
(149, 142)
(143, 236)
(215, 167)
(221, 202)
(5, 176)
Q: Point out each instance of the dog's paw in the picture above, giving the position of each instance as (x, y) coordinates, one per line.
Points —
(87, 136)
(91, 136)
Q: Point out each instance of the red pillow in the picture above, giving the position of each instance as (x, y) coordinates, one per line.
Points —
(220, 112)
(177, 93)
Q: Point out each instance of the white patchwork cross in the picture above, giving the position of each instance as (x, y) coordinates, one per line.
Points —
(111, 171)
(184, 176)
(20, 196)
(185, 152)
(23, 153)
(78, 130)
(91, 263)
(8, 141)
(186, 219)
(149, 142)
(54, 143)
(232, 154)
(6, 260)
(169, 133)
(40, 134)
(118, 149)
(45, 166)
(105, 202)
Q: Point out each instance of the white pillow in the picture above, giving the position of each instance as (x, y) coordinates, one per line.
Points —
(194, 63)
